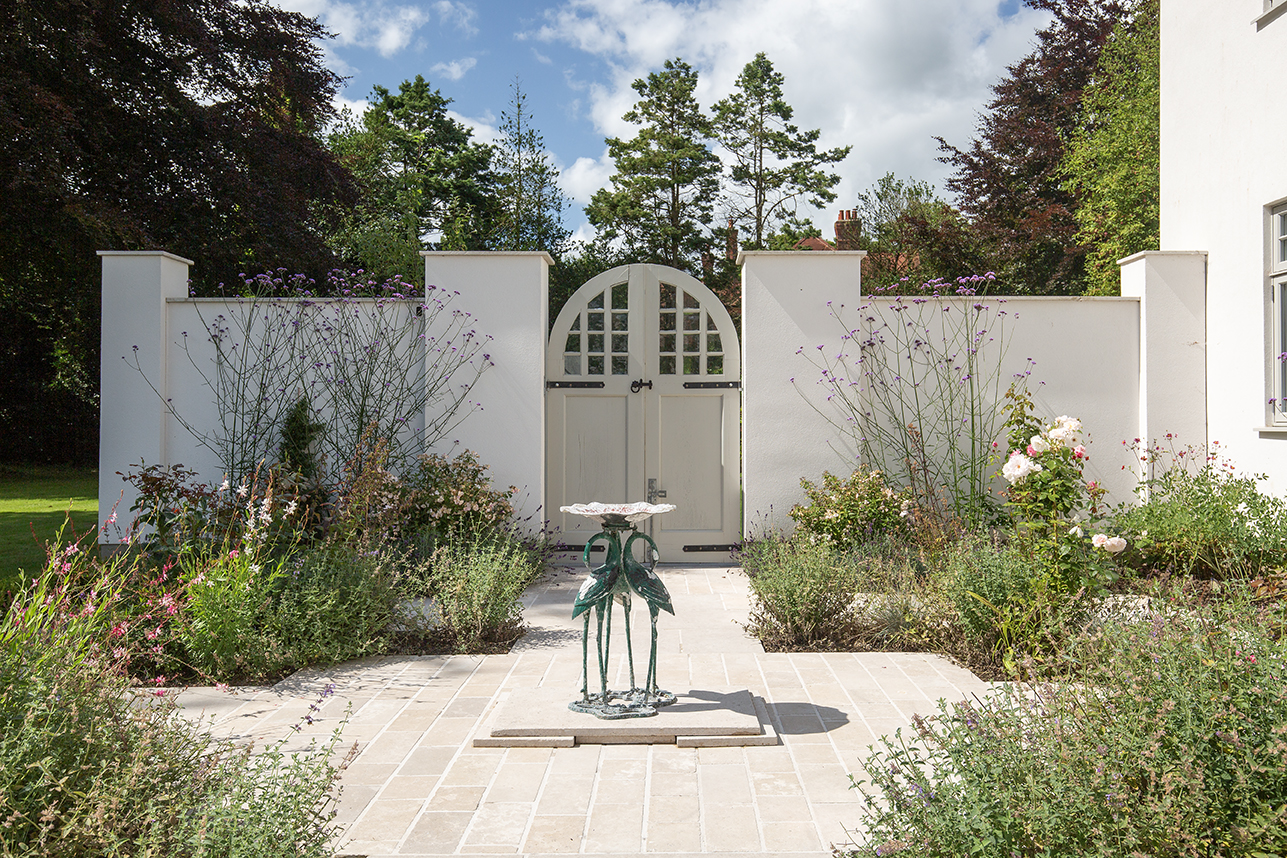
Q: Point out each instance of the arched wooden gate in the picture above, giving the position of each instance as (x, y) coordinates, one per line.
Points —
(642, 385)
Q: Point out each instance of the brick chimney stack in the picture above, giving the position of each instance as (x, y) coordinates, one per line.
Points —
(848, 230)
(731, 250)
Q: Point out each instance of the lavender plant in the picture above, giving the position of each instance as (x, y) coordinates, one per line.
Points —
(914, 384)
(360, 353)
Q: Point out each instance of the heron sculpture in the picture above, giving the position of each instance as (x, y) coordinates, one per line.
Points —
(616, 579)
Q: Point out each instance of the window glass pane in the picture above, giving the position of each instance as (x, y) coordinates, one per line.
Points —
(712, 343)
(576, 324)
(620, 343)
(667, 365)
(571, 364)
(667, 296)
(620, 296)
(620, 321)
(692, 365)
(668, 321)
(710, 323)
(620, 364)
(692, 321)
(691, 303)
(715, 365)
(596, 303)
(596, 343)
(692, 343)
(596, 365)
(594, 321)
(573, 344)
(667, 343)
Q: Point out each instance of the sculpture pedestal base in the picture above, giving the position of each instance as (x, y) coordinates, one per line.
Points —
(635, 703)
(701, 717)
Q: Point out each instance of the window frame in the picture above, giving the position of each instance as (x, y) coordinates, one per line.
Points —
(1276, 277)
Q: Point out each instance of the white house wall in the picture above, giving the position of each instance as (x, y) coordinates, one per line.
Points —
(1223, 127)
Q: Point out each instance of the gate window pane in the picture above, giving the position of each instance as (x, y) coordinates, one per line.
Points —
(692, 321)
(620, 321)
(573, 344)
(620, 364)
(571, 364)
(596, 343)
(596, 365)
(596, 303)
(692, 342)
(667, 343)
(620, 296)
(576, 324)
(712, 343)
(710, 323)
(594, 321)
(692, 365)
(715, 365)
(621, 343)
(691, 303)
(667, 365)
(667, 296)
(668, 321)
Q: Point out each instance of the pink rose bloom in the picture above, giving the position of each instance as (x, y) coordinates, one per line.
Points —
(1079, 452)
(1099, 540)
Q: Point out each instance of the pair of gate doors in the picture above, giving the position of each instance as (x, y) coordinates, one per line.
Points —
(643, 403)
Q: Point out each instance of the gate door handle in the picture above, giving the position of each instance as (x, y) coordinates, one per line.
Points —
(653, 491)
(639, 384)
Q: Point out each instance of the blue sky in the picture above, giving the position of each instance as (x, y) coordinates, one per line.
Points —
(882, 75)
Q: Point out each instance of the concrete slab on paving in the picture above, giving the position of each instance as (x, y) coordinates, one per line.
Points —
(700, 717)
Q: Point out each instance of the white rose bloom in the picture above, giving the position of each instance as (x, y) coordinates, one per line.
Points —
(1018, 467)
(1099, 540)
(1115, 545)
(1039, 444)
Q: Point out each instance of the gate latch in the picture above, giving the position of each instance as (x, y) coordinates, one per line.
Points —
(639, 384)
(653, 491)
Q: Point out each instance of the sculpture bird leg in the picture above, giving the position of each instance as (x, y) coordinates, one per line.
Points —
(630, 647)
(651, 690)
(603, 661)
(585, 660)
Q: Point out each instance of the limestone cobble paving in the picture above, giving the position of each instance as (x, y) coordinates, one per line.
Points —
(415, 785)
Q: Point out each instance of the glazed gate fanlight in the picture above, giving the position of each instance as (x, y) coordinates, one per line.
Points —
(643, 377)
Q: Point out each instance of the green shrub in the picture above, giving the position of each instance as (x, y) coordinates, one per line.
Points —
(990, 586)
(476, 586)
(1168, 742)
(1200, 517)
(90, 767)
(803, 594)
(851, 511)
(454, 496)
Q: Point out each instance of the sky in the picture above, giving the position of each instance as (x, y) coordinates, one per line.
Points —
(885, 76)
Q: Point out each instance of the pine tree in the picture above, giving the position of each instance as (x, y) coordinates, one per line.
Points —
(774, 164)
(530, 203)
(663, 192)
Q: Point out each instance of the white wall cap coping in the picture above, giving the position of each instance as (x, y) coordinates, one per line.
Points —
(167, 254)
(541, 253)
(743, 254)
(1146, 253)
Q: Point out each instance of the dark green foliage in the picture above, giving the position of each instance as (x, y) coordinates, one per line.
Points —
(663, 192)
(130, 125)
(530, 201)
(1009, 181)
(804, 595)
(298, 451)
(852, 511)
(421, 173)
(476, 585)
(1113, 162)
(775, 164)
(1167, 742)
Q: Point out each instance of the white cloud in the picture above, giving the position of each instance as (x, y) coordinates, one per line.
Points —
(461, 15)
(883, 75)
(541, 58)
(455, 69)
(386, 27)
(585, 176)
(484, 129)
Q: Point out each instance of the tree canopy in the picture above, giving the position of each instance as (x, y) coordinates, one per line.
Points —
(774, 163)
(1009, 181)
(1113, 160)
(530, 202)
(663, 192)
(189, 126)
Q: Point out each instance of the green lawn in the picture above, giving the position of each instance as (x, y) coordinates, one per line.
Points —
(34, 503)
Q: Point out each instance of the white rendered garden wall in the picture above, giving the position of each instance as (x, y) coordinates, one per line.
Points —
(1088, 359)
(1223, 163)
(146, 304)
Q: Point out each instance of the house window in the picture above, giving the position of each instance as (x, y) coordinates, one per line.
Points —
(1278, 299)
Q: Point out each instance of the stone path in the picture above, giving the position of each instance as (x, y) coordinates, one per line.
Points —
(417, 786)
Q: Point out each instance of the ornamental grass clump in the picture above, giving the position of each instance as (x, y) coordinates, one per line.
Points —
(1169, 740)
